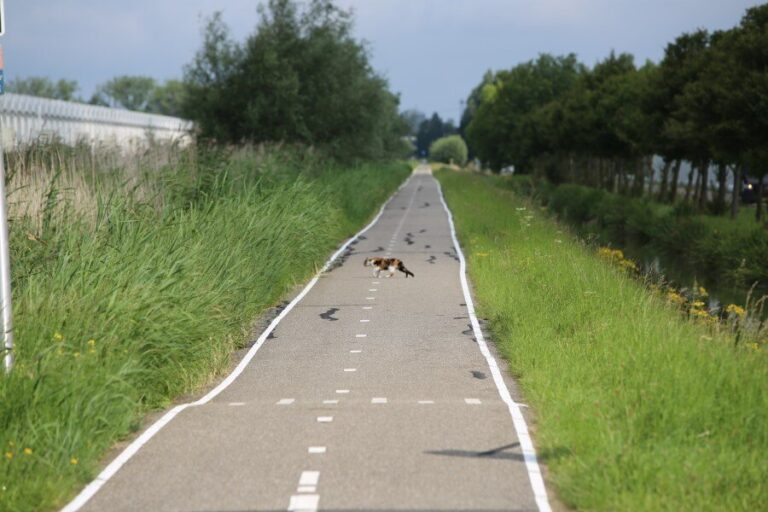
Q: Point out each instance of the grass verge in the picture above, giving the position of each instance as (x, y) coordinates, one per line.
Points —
(637, 408)
(121, 309)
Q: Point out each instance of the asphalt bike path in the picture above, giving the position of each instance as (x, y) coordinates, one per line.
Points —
(369, 394)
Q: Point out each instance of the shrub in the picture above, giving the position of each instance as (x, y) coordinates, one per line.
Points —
(715, 249)
(451, 149)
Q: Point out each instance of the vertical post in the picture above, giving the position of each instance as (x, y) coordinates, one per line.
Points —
(5, 256)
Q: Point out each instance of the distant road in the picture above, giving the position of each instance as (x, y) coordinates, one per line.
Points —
(370, 394)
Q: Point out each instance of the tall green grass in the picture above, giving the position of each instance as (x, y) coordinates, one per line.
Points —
(119, 310)
(636, 408)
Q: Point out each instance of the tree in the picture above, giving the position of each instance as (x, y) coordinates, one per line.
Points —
(168, 99)
(44, 87)
(450, 150)
(301, 77)
(430, 130)
(128, 92)
(742, 95)
(413, 118)
(502, 129)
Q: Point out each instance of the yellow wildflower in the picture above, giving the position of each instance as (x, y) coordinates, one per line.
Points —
(628, 264)
(76, 354)
(73, 461)
(736, 310)
(753, 346)
(9, 455)
(481, 254)
(699, 313)
(57, 336)
(698, 304)
(675, 298)
(91, 343)
(703, 291)
(27, 451)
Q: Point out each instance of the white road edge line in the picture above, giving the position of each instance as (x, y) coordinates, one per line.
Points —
(526, 444)
(92, 488)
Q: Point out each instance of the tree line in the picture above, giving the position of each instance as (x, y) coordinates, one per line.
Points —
(140, 93)
(300, 77)
(705, 103)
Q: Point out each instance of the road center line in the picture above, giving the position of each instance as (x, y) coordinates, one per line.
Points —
(113, 467)
(304, 503)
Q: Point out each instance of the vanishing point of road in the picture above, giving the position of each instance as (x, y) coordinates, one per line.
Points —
(369, 394)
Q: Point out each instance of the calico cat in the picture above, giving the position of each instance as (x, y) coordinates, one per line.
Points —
(388, 264)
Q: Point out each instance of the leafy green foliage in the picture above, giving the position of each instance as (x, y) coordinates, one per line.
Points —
(732, 256)
(450, 150)
(44, 87)
(128, 92)
(301, 77)
(704, 103)
(430, 130)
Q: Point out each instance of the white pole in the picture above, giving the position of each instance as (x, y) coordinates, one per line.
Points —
(5, 270)
(5, 257)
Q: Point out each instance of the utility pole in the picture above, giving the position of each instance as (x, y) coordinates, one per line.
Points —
(5, 254)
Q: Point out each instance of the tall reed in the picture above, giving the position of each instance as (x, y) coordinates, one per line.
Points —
(133, 284)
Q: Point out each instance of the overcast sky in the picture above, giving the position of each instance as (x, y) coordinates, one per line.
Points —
(432, 51)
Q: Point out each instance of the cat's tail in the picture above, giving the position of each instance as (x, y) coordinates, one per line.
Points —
(405, 271)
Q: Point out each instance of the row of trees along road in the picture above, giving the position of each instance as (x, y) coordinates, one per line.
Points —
(706, 103)
(300, 78)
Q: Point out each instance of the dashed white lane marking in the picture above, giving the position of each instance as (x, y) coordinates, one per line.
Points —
(375, 282)
(473, 401)
(361, 335)
(380, 400)
(304, 503)
(370, 298)
(364, 321)
(306, 488)
(423, 402)
(405, 215)
(309, 478)
(316, 449)
(324, 419)
(355, 351)
(286, 401)
(367, 307)
(107, 473)
(373, 289)
(236, 404)
(342, 391)
(350, 369)
(330, 402)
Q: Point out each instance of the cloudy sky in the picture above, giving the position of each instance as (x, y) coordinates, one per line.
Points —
(432, 51)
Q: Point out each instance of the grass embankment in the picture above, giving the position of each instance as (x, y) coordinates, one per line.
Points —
(637, 408)
(121, 309)
(722, 252)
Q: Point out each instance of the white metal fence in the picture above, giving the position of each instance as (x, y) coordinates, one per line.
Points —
(25, 119)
